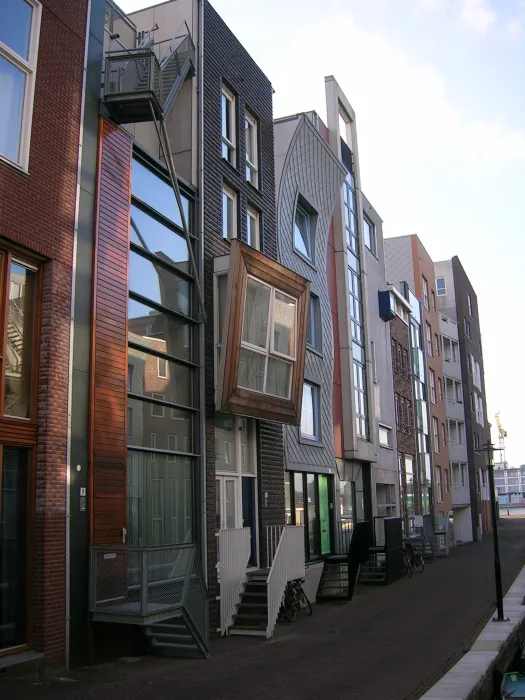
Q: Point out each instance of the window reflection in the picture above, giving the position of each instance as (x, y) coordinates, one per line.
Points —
(20, 341)
(172, 427)
(155, 192)
(156, 282)
(158, 330)
(149, 374)
(158, 239)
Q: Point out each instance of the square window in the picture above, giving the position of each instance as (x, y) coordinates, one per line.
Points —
(302, 237)
(229, 213)
(19, 36)
(385, 436)
(253, 228)
(252, 157)
(441, 286)
(229, 145)
(310, 423)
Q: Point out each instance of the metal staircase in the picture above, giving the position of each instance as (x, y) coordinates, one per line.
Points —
(175, 637)
(251, 617)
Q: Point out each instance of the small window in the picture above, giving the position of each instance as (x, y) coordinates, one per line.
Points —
(253, 228)
(19, 34)
(432, 380)
(435, 433)
(302, 238)
(447, 481)
(440, 389)
(130, 422)
(156, 410)
(429, 339)
(369, 232)
(436, 345)
(313, 334)
(310, 423)
(250, 130)
(469, 300)
(228, 125)
(153, 445)
(385, 436)
(229, 213)
(439, 490)
(440, 286)
(162, 367)
(425, 293)
(433, 297)
(443, 435)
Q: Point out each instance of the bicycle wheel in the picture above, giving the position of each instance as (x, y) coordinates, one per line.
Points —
(408, 566)
(281, 614)
(290, 612)
(419, 564)
(305, 603)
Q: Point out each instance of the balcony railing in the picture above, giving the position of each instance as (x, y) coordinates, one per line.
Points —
(136, 585)
(130, 76)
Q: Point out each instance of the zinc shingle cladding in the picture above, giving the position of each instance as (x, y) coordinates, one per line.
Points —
(311, 171)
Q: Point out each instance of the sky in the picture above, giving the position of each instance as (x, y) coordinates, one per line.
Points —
(438, 87)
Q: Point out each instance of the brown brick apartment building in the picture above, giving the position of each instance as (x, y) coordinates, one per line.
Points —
(43, 53)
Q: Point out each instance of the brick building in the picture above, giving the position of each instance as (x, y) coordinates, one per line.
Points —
(38, 194)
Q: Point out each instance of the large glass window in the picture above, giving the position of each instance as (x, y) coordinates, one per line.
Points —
(19, 33)
(268, 339)
(162, 427)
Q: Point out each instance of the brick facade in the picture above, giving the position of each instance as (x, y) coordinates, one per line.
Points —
(225, 60)
(37, 211)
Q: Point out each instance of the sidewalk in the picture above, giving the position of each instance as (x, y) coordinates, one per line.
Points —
(387, 644)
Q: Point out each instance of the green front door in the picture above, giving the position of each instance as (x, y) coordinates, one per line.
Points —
(324, 514)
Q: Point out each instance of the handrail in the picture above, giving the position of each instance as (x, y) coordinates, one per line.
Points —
(288, 565)
(234, 554)
(170, 49)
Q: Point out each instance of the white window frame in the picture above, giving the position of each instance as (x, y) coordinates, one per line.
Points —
(231, 144)
(159, 360)
(469, 301)
(428, 334)
(425, 293)
(388, 432)
(441, 292)
(432, 384)
(268, 351)
(316, 409)
(252, 166)
(435, 434)
(28, 67)
(253, 214)
(232, 196)
(439, 485)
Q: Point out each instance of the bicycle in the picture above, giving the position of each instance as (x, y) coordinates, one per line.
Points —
(411, 560)
(295, 600)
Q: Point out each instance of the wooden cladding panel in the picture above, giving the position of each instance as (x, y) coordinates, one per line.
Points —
(17, 432)
(109, 337)
(245, 261)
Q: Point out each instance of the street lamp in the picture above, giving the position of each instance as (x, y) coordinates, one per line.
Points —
(489, 449)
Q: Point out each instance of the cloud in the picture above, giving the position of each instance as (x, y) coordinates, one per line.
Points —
(477, 15)
(515, 28)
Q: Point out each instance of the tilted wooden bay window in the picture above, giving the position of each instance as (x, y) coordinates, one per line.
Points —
(263, 338)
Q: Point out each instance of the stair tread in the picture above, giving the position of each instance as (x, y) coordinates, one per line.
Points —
(248, 627)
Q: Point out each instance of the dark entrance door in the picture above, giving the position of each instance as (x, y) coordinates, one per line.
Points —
(249, 515)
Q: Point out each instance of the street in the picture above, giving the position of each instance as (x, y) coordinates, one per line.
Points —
(389, 643)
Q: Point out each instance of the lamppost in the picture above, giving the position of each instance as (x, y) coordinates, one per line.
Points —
(489, 449)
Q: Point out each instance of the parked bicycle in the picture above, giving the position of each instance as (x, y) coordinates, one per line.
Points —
(411, 560)
(295, 600)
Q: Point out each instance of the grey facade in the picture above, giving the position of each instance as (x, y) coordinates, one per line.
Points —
(307, 170)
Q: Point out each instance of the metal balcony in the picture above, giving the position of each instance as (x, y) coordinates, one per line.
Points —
(133, 82)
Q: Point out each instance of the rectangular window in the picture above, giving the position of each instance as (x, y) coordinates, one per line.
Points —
(19, 35)
(429, 338)
(229, 144)
(310, 419)
(313, 333)
(469, 300)
(268, 340)
(374, 366)
(435, 433)
(466, 326)
(439, 490)
(229, 213)
(441, 287)
(436, 345)
(433, 296)
(443, 435)
(302, 237)
(425, 293)
(360, 401)
(162, 367)
(397, 410)
(252, 156)
(447, 481)
(253, 236)
(369, 232)
(432, 380)
(156, 410)
(440, 389)
(385, 436)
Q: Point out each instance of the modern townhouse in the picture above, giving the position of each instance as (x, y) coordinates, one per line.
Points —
(457, 300)
(40, 145)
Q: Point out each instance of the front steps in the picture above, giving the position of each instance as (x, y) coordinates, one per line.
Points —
(334, 580)
(174, 637)
(251, 618)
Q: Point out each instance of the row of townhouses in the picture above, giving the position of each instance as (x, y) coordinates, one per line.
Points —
(216, 376)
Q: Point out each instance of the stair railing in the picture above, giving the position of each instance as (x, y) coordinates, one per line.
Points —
(235, 549)
(182, 33)
(273, 536)
(288, 565)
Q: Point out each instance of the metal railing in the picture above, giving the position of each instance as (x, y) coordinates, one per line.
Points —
(273, 536)
(131, 72)
(343, 532)
(234, 548)
(288, 565)
(137, 585)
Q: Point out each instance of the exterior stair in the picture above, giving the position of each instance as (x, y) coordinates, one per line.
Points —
(334, 580)
(251, 618)
(373, 571)
(174, 637)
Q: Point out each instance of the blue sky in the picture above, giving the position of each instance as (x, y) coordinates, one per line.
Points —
(438, 88)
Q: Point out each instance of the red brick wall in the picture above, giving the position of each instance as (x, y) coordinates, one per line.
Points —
(37, 211)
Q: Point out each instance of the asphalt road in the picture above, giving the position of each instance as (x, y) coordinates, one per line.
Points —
(389, 643)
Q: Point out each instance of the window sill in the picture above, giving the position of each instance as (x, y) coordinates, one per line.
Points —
(254, 188)
(17, 168)
(386, 447)
(313, 350)
(305, 259)
(310, 441)
(233, 167)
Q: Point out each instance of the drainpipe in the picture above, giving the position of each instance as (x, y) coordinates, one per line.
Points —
(71, 342)
(202, 374)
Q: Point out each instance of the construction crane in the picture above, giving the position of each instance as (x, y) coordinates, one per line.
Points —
(502, 434)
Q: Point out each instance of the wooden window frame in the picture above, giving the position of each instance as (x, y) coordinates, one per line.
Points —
(246, 261)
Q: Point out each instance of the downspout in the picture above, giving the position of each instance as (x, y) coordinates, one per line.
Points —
(202, 374)
(71, 343)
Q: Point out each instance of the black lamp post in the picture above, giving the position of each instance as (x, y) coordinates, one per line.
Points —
(489, 448)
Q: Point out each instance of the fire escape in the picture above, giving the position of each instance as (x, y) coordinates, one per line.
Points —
(161, 589)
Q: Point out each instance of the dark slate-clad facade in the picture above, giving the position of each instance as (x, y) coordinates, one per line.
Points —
(228, 65)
